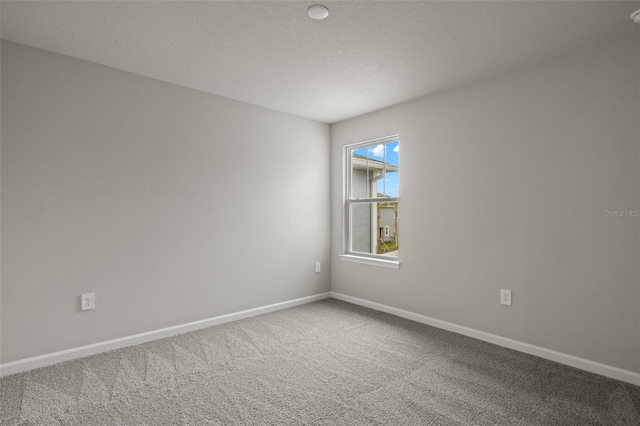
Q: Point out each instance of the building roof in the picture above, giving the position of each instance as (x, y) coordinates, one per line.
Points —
(360, 162)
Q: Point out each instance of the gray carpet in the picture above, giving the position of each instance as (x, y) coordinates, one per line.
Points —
(328, 362)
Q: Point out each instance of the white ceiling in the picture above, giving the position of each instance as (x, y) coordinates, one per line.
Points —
(365, 56)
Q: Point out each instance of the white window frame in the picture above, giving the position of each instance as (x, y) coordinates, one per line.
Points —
(348, 254)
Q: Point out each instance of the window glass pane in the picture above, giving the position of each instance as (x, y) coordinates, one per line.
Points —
(374, 228)
(361, 184)
(374, 171)
(387, 217)
(387, 180)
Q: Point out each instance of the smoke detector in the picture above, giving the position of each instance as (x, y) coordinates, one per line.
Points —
(636, 16)
(318, 11)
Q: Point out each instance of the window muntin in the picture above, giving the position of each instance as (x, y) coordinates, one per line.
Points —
(371, 201)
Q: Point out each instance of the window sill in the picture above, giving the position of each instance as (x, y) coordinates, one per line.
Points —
(383, 263)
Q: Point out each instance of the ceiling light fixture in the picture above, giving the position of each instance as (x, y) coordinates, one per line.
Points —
(636, 16)
(318, 11)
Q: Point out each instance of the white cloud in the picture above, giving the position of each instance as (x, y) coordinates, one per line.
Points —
(397, 148)
(377, 151)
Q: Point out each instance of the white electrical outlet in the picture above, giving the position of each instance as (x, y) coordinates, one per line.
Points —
(318, 266)
(505, 297)
(88, 301)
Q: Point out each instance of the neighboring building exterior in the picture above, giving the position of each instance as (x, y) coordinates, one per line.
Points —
(386, 222)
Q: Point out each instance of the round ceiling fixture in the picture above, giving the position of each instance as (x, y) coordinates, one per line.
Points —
(636, 16)
(318, 11)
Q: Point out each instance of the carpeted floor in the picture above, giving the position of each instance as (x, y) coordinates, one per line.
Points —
(328, 362)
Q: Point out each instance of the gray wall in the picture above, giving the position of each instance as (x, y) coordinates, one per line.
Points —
(171, 204)
(504, 184)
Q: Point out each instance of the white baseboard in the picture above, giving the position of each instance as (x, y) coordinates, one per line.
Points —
(562, 358)
(83, 351)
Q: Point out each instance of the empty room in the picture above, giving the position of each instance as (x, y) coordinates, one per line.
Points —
(320, 213)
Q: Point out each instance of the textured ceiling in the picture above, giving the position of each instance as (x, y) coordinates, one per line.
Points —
(365, 56)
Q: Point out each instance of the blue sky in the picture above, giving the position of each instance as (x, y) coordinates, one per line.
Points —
(384, 152)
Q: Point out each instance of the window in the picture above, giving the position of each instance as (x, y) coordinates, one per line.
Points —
(371, 202)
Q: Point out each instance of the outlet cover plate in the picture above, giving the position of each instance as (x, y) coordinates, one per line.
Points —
(88, 301)
(505, 297)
